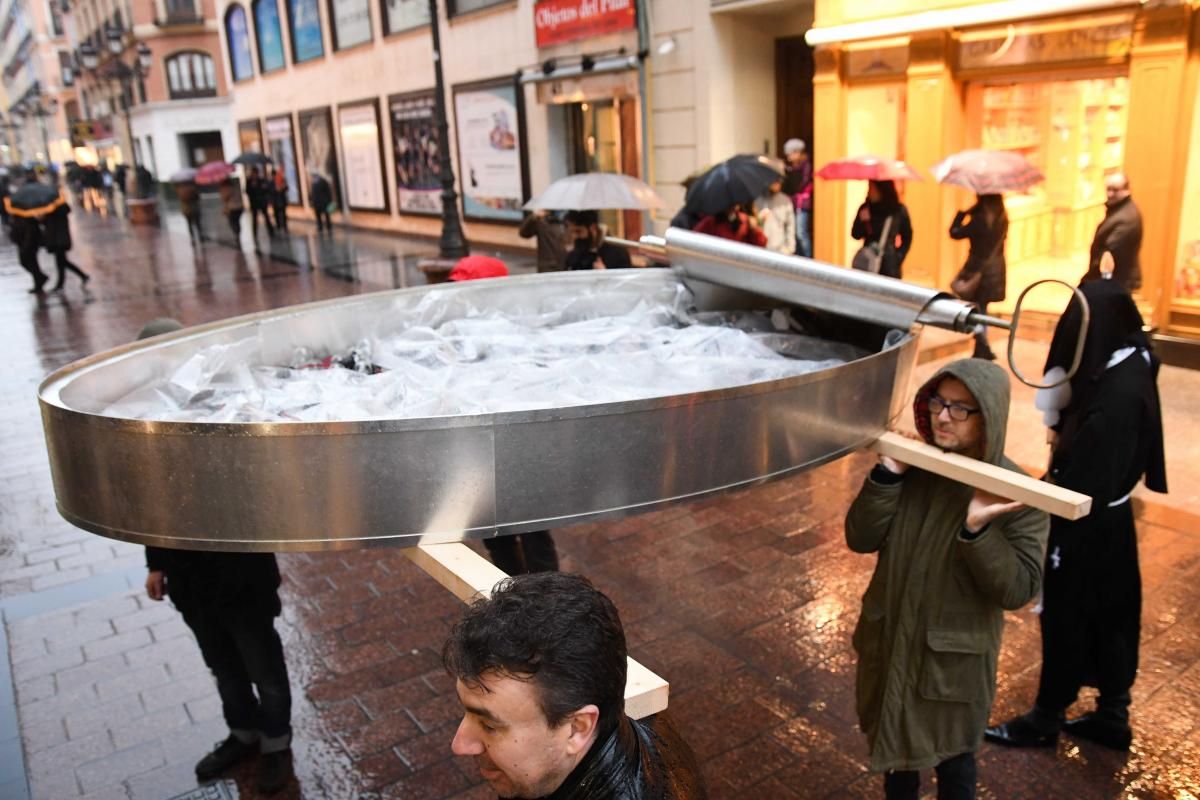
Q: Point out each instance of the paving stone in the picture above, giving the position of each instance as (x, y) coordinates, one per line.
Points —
(119, 766)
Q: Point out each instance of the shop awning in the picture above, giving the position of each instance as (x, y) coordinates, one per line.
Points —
(575, 70)
(963, 17)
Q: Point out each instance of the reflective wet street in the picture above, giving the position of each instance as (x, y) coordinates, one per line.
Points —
(744, 602)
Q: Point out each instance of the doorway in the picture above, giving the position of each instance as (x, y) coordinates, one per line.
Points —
(200, 148)
(602, 136)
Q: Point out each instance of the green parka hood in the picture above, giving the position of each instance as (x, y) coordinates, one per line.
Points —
(990, 387)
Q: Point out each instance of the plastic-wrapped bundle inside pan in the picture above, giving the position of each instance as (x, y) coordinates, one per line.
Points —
(202, 439)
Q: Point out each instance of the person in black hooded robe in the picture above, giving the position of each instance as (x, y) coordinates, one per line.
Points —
(1107, 436)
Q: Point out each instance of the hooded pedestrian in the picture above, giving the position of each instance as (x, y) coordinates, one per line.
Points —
(1106, 430)
(882, 222)
(983, 278)
(950, 560)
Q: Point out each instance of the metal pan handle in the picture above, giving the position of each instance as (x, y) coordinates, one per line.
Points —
(1083, 328)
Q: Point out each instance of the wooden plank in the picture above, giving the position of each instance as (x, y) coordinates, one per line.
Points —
(469, 575)
(997, 480)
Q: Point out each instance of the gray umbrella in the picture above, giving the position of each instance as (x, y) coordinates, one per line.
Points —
(252, 159)
(185, 175)
(596, 191)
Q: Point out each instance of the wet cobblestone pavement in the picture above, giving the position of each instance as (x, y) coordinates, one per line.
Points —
(745, 603)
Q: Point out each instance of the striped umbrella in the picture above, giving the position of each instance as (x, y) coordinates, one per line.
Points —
(988, 171)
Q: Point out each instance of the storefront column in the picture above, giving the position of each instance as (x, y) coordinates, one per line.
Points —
(933, 130)
(829, 143)
(1155, 152)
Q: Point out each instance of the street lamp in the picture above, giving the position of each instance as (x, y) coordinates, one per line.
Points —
(118, 71)
(32, 105)
(452, 244)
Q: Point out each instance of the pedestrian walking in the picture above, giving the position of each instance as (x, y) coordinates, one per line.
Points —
(56, 238)
(189, 206)
(983, 278)
(230, 601)
(231, 204)
(550, 233)
(1119, 235)
(27, 237)
(950, 560)
(4, 191)
(589, 250)
(733, 224)
(883, 226)
(777, 216)
(798, 184)
(279, 199)
(106, 185)
(320, 195)
(258, 191)
(1106, 433)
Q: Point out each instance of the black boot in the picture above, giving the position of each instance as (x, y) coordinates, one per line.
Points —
(1038, 728)
(1108, 725)
(225, 755)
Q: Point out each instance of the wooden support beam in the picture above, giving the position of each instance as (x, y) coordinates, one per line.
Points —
(468, 575)
(982, 475)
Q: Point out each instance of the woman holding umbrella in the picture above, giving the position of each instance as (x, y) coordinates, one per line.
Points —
(883, 220)
(983, 277)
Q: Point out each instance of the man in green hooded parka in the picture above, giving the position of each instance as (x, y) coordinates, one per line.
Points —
(950, 560)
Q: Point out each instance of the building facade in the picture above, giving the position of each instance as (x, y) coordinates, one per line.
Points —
(38, 80)
(158, 95)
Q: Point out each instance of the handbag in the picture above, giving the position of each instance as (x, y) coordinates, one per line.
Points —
(869, 257)
(966, 286)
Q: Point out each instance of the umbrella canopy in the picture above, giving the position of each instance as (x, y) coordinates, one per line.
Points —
(471, 268)
(213, 172)
(988, 171)
(736, 181)
(34, 199)
(596, 191)
(252, 158)
(868, 168)
(185, 175)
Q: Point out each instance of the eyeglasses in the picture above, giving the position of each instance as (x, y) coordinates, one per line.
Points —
(958, 412)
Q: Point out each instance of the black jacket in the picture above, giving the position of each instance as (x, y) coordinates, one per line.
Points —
(987, 251)
(638, 760)
(56, 231)
(613, 256)
(1121, 234)
(210, 581)
(320, 194)
(872, 229)
(25, 234)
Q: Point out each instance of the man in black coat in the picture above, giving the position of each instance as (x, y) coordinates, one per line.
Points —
(230, 601)
(259, 190)
(588, 248)
(540, 669)
(1120, 235)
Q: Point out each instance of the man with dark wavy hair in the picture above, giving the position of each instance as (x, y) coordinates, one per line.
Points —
(540, 669)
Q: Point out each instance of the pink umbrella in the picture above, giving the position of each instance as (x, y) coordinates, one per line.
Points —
(868, 168)
(988, 171)
(213, 172)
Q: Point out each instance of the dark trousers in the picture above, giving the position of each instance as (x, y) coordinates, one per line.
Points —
(523, 553)
(955, 780)
(983, 348)
(281, 216)
(29, 262)
(254, 212)
(195, 231)
(243, 651)
(1091, 610)
(323, 214)
(64, 265)
(235, 221)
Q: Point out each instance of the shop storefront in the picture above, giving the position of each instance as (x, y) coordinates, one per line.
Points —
(1083, 96)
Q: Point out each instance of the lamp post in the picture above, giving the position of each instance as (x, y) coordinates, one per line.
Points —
(453, 243)
(33, 106)
(118, 71)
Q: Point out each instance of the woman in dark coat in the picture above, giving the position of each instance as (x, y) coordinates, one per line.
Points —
(883, 202)
(1107, 436)
(56, 238)
(320, 195)
(985, 226)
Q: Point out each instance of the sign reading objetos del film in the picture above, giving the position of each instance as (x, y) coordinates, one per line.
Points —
(558, 21)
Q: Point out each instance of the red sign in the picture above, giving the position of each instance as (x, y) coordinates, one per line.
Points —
(557, 21)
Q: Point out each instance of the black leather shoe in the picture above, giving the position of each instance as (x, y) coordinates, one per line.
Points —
(224, 755)
(274, 771)
(1026, 730)
(1095, 727)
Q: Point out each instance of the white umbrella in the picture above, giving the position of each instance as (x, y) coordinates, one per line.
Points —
(596, 190)
(185, 175)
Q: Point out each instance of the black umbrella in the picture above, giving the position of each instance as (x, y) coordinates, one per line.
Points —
(34, 199)
(737, 181)
(252, 159)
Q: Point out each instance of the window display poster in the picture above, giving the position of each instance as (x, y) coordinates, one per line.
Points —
(316, 142)
(270, 37)
(283, 152)
(250, 136)
(489, 152)
(306, 30)
(359, 129)
(415, 150)
(351, 23)
(238, 35)
(402, 15)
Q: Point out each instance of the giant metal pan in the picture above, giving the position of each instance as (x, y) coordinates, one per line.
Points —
(316, 486)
